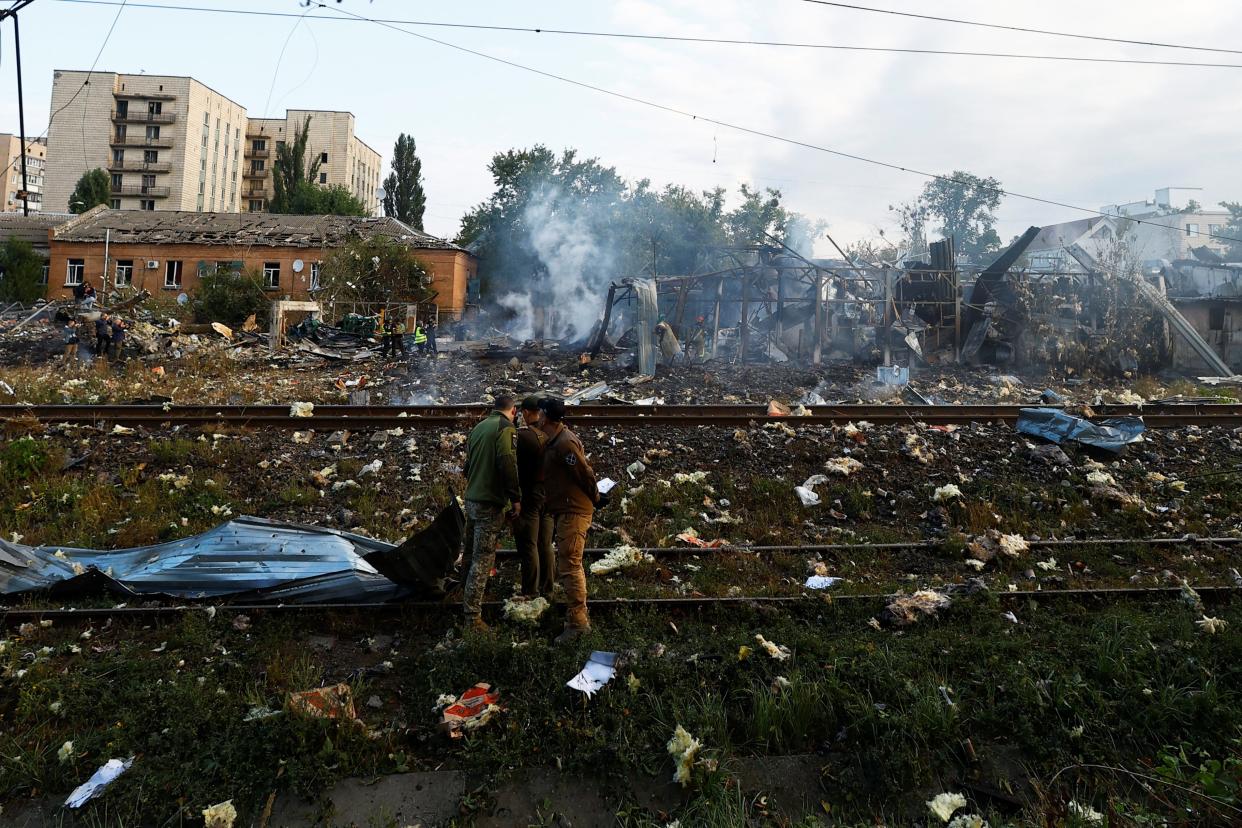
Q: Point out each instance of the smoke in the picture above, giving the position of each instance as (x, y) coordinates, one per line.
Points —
(577, 264)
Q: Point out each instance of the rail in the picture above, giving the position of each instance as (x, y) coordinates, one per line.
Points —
(384, 417)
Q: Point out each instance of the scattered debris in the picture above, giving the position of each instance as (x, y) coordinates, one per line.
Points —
(691, 537)
(943, 805)
(621, 557)
(1057, 426)
(332, 702)
(100, 779)
(597, 672)
(777, 651)
(684, 749)
(475, 708)
(302, 409)
(945, 493)
(806, 492)
(527, 611)
(905, 610)
(1212, 626)
(221, 815)
(1085, 813)
(821, 581)
(843, 466)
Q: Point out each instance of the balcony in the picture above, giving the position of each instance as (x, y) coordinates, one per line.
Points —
(254, 192)
(139, 190)
(253, 173)
(163, 142)
(145, 96)
(139, 166)
(258, 153)
(138, 116)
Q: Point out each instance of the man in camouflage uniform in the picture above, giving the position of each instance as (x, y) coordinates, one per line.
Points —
(491, 491)
(572, 494)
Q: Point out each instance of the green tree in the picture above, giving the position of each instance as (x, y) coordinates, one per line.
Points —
(313, 200)
(291, 170)
(21, 271)
(229, 297)
(1233, 230)
(962, 205)
(93, 188)
(404, 198)
(373, 270)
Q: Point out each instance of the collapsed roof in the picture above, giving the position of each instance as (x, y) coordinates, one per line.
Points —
(237, 229)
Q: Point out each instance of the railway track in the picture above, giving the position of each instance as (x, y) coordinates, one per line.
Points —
(16, 615)
(384, 417)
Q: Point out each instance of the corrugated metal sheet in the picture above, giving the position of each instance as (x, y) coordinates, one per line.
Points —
(247, 557)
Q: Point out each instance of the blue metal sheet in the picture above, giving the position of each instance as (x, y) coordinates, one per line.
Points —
(1054, 424)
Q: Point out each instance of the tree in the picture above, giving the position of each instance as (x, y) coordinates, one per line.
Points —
(290, 170)
(312, 200)
(94, 188)
(21, 271)
(404, 198)
(376, 270)
(963, 205)
(1233, 230)
(229, 297)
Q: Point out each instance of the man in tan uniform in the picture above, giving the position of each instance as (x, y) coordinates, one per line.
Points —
(532, 531)
(571, 494)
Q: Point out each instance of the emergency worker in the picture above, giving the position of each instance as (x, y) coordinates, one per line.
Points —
(532, 532)
(491, 491)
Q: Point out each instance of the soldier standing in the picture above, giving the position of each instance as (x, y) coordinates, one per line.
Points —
(572, 494)
(491, 489)
(532, 531)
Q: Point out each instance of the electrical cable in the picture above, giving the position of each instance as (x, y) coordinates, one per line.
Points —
(688, 39)
(1024, 29)
(760, 133)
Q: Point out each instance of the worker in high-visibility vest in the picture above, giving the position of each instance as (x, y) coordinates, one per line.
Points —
(398, 337)
(420, 337)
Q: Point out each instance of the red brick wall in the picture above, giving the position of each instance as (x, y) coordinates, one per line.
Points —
(449, 268)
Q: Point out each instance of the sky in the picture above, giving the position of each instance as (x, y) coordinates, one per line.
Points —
(1081, 134)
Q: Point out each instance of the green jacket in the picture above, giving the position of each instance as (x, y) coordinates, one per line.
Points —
(491, 462)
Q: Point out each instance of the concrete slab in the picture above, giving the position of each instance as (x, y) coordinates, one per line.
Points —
(427, 799)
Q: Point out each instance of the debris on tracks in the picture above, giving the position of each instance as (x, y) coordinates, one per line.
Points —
(335, 701)
(100, 779)
(475, 708)
(598, 671)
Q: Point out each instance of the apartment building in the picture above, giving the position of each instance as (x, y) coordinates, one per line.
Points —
(11, 175)
(171, 143)
(168, 143)
(344, 158)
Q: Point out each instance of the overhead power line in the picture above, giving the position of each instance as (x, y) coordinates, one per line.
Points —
(683, 38)
(1025, 29)
(752, 131)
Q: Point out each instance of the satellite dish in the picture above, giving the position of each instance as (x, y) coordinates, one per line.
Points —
(182, 298)
(297, 265)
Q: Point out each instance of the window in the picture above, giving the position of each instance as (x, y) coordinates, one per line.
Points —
(172, 274)
(271, 275)
(43, 275)
(257, 166)
(1214, 229)
(115, 204)
(150, 156)
(323, 178)
(124, 272)
(1216, 318)
(1192, 229)
(154, 107)
(259, 145)
(153, 132)
(323, 158)
(122, 109)
(314, 285)
(256, 205)
(118, 156)
(146, 204)
(74, 272)
(116, 182)
(148, 181)
(120, 133)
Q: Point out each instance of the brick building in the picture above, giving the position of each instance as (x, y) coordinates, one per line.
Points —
(167, 251)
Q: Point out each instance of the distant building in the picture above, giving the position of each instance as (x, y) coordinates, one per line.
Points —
(343, 157)
(168, 252)
(11, 175)
(172, 143)
(1171, 226)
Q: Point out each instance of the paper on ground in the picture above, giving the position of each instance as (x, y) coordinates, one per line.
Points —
(99, 780)
(606, 485)
(821, 581)
(598, 671)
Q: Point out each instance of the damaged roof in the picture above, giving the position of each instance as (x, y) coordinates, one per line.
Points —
(232, 229)
(32, 228)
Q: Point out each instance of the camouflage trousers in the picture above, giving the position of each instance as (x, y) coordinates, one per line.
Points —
(571, 534)
(484, 522)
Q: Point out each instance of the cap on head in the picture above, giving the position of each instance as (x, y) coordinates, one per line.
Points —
(553, 408)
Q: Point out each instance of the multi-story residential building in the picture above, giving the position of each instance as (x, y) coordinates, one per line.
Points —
(11, 175)
(343, 157)
(171, 143)
(168, 143)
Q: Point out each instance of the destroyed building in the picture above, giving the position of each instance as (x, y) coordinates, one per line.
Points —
(169, 251)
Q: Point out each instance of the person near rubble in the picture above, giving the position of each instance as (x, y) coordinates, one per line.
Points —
(432, 348)
(492, 489)
(386, 344)
(103, 335)
(88, 295)
(118, 335)
(71, 340)
(420, 338)
(571, 494)
(398, 337)
(698, 339)
(532, 531)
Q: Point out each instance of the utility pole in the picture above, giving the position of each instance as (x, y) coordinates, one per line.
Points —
(21, 104)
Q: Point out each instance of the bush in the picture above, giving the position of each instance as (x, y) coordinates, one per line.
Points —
(20, 272)
(229, 297)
